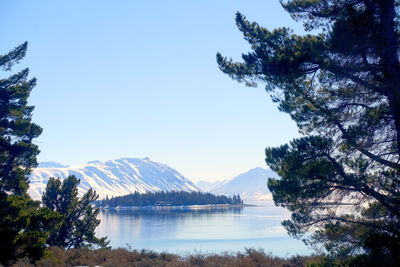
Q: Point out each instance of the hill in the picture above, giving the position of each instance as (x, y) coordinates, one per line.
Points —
(249, 185)
(207, 186)
(114, 177)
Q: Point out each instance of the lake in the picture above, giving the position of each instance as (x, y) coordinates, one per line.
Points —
(184, 230)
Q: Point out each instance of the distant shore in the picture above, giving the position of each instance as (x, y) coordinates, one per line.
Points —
(206, 206)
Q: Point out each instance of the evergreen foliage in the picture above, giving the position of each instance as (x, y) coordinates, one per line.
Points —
(24, 225)
(79, 217)
(17, 152)
(341, 84)
(172, 198)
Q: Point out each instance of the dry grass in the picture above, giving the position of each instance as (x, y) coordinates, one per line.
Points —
(124, 257)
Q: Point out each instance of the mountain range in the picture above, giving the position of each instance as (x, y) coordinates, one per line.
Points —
(251, 185)
(126, 175)
(113, 178)
(207, 186)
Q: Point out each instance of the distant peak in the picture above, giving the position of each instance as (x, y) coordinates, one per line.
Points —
(256, 170)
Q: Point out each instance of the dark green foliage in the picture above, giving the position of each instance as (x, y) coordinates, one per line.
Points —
(24, 228)
(172, 198)
(17, 152)
(24, 225)
(79, 217)
(342, 87)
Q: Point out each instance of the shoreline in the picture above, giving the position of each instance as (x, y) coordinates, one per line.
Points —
(156, 207)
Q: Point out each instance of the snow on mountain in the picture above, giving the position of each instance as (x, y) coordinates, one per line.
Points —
(114, 177)
(251, 185)
(207, 186)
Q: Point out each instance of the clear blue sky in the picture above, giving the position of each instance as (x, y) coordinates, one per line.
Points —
(139, 78)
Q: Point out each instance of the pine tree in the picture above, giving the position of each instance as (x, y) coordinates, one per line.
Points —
(341, 85)
(18, 153)
(79, 217)
(24, 225)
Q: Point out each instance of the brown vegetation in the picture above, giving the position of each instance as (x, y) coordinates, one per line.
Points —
(123, 257)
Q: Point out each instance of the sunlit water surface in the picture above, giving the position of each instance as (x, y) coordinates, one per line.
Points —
(187, 230)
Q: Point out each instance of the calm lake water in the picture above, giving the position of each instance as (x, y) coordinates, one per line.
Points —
(185, 230)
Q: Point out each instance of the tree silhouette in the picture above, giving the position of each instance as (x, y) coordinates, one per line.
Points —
(79, 217)
(24, 225)
(341, 84)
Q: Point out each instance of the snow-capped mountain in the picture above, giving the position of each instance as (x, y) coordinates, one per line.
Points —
(207, 186)
(114, 177)
(251, 185)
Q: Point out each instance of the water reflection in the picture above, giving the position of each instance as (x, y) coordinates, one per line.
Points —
(174, 210)
(158, 222)
(208, 229)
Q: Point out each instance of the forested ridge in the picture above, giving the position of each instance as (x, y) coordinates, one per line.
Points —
(172, 198)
